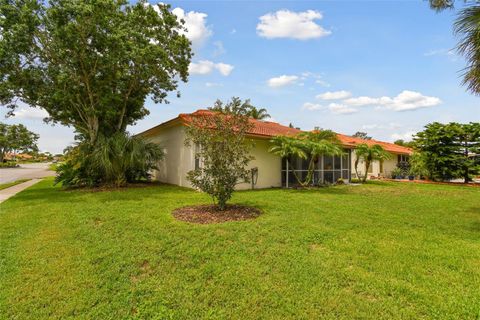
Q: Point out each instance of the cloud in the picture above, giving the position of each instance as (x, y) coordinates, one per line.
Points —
(407, 136)
(224, 69)
(289, 24)
(404, 101)
(334, 95)
(213, 84)
(312, 106)
(335, 108)
(450, 53)
(196, 24)
(381, 126)
(338, 108)
(282, 81)
(204, 67)
(219, 48)
(31, 113)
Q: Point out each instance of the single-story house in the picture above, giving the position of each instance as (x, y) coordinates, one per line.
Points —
(272, 172)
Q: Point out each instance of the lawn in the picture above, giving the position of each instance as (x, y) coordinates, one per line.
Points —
(378, 251)
(11, 184)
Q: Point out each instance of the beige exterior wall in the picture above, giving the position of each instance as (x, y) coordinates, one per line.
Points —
(269, 166)
(388, 166)
(180, 159)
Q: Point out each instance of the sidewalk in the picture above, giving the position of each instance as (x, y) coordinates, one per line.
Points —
(10, 192)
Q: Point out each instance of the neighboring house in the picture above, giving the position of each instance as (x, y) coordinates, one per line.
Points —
(179, 159)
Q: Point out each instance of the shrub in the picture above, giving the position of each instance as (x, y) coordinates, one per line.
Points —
(115, 160)
(222, 149)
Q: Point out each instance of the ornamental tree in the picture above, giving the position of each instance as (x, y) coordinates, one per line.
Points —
(221, 145)
(90, 64)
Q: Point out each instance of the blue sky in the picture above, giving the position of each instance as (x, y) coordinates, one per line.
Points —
(384, 67)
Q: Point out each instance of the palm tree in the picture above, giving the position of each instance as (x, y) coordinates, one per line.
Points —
(467, 27)
(286, 147)
(319, 143)
(259, 114)
(369, 154)
(306, 145)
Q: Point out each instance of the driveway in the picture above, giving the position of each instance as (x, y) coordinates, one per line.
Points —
(25, 171)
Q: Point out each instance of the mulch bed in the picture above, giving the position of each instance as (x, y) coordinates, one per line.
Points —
(205, 214)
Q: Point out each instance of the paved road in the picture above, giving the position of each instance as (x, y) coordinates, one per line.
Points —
(25, 171)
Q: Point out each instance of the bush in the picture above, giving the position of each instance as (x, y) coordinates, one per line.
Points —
(9, 164)
(115, 160)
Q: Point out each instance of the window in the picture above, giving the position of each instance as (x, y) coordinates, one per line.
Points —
(381, 166)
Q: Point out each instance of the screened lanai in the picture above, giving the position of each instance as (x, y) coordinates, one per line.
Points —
(328, 169)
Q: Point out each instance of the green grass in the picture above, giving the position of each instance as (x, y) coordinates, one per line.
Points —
(11, 184)
(376, 251)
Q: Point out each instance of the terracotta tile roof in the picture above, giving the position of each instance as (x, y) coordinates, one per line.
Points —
(271, 129)
(259, 128)
(349, 141)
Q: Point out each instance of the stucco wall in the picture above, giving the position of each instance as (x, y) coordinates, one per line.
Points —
(388, 166)
(269, 166)
(178, 160)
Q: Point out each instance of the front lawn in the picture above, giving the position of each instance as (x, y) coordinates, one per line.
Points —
(377, 251)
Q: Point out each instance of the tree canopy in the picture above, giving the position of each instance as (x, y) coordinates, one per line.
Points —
(90, 64)
(467, 28)
(15, 138)
(452, 149)
(362, 135)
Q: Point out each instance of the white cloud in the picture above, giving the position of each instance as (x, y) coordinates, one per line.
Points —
(323, 83)
(312, 106)
(381, 126)
(204, 67)
(334, 95)
(406, 100)
(31, 113)
(338, 108)
(213, 84)
(281, 81)
(224, 69)
(219, 48)
(196, 24)
(289, 24)
(449, 53)
(407, 136)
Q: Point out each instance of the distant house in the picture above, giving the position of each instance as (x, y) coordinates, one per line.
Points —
(19, 156)
(272, 171)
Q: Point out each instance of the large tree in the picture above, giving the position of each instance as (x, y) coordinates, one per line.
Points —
(90, 64)
(451, 149)
(467, 27)
(15, 138)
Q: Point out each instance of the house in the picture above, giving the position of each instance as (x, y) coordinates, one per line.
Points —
(272, 171)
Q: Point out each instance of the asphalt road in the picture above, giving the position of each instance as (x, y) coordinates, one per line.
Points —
(25, 171)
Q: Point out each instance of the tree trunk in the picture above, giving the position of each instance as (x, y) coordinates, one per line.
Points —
(367, 165)
(466, 172)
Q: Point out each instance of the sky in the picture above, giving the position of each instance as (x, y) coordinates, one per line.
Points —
(384, 67)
